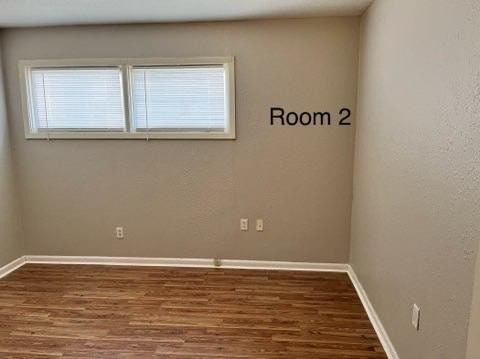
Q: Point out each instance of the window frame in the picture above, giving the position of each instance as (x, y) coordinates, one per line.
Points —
(126, 65)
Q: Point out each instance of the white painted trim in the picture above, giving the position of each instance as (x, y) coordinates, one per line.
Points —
(13, 265)
(128, 132)
(126, 261)
(373, 316)
(275, 265)
(189, 262)
(116, 61)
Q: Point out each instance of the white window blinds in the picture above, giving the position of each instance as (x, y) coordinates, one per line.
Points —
(179, 98)
(77, 99)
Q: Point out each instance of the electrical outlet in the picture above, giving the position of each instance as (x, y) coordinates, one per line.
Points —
(416, 317)
(259, 225)
(119, 232)
(244, 224)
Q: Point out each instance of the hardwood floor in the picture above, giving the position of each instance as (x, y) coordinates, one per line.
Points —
(85, 311)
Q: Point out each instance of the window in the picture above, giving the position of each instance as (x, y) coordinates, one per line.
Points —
(189, 98)
(78, 99)
(152, 98)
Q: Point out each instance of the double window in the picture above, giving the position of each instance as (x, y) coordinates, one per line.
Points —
(151, 98)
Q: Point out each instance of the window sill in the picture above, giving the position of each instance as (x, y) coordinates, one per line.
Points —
(131, 136)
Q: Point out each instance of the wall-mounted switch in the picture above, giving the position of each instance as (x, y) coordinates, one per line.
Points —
(244, 224)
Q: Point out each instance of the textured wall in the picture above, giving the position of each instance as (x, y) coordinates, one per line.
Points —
(184, 198)
(11, 235)
(415, 223)
(473, 348)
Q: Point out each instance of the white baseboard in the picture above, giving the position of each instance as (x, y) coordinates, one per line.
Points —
(373, 316)
(275, 265)
(189, 262)
(13, 265)
(225, 263)
(125, 261)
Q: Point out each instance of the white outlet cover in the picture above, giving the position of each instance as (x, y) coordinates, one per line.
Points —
(259, 225)
(244, 224)
(119, 232)
(416, 317)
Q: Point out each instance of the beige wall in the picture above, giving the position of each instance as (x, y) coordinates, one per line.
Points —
(415, 224)
(184, 198)
(473, 348)
(416, 190)
(11, 235)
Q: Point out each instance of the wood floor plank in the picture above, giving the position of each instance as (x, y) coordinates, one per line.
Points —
(87, 311)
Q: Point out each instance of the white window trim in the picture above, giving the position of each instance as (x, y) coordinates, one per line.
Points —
(126, 64)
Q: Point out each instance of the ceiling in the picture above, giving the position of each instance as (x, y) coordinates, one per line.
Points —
(16, 13)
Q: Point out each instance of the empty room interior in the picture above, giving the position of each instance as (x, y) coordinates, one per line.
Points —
(267, 179)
